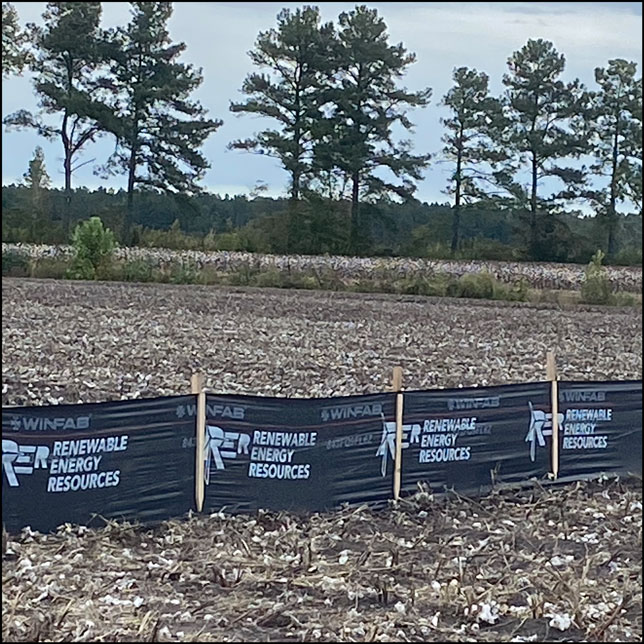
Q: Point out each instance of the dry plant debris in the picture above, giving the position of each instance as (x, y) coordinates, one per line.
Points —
(537, 565)
(554, 564)
(74, 342)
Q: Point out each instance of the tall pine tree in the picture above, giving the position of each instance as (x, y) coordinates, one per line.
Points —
(295, 57)
(546, 128)
(475, 123)
(66, 67)
(158, 128)
(295, 63)
(362, 107)
(617, 142)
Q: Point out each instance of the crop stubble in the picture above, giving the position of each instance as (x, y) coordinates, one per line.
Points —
(511, 566)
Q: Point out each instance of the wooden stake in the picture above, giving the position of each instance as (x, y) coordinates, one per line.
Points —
(197, 383)
(551, 374)
(397, 387)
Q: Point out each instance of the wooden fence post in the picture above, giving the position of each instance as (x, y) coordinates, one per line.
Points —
(197, 383)
(551, 375)
(397, 387)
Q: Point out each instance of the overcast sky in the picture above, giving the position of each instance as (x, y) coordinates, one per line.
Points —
(444, 35)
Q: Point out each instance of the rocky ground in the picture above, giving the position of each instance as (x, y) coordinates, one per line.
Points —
(555, 564)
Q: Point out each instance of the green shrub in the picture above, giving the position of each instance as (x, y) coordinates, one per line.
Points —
(408, 286)
(519, 291)
(596, 287)
(93, 246)
(210, 275)
(184, 273)
(434, 287)
(49, 268)
(137, 270)
(271, 278)
(330, 280)
(226, 241)
(245, 275)
(624, 299)
(304, 281)
(15, 264)
(367, 286)
(473, 285)
(81, 269)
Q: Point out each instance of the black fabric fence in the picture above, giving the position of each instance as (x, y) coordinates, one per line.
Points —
(76, 463)
(298, 454)
(601, 428)
(137, 460)
(469, 439)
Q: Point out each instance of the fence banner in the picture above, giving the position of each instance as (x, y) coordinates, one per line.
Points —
(297, 454)
(466, 439)
(600, 428)
(120, 460)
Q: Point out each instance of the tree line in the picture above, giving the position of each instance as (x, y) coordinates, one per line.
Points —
(258, 224)
(333, 92)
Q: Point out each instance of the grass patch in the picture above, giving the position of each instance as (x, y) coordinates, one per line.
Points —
(49, 268)
(15, 264)
(481, 285)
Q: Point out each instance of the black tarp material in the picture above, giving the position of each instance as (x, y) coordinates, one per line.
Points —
(121, 460)
(601, 428)
(296, 454)
(467, 439)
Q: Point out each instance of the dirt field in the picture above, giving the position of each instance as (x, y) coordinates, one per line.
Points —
(537, 565)
(78, 342)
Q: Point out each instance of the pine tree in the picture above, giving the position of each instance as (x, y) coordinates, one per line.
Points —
(158, 127)
(617, 142)
(475, 124)
(66, 66)
(37, 182)
(14, 53)
(547, 119)
(363, 105)
(295, 58)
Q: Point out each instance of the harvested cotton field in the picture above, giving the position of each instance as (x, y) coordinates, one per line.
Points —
(78, 342)
(542, 564)
(538, 565)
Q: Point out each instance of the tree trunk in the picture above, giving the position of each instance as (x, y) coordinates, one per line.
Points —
(355, 214)
(68, 194)
(297, 171)
(67, 165)
(291, 218)
(612, 205)
(534, 236)
(129, 211)
(457, 199)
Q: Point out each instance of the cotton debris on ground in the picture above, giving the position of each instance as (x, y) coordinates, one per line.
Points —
(537, 565)
(73, 342)
(282, 577)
